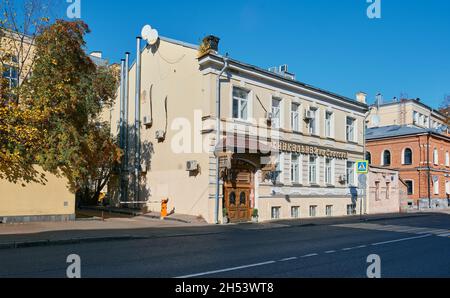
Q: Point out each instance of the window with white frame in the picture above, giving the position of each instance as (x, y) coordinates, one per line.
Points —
(240, 104)
(351, 173)
(313, 122)
(11, 75)
(295, 117)
(313, 170)
(416, 117)
(329, 171)
(329, 210)
(279, 169)
(276, 112)
(447, 187)
(351, 130)
(329, 124)
(276, 212)
(436, 156)
(313, 211)
(447, 159)
(436, 186)
(295, 212)
(295, 168)
(422, 120)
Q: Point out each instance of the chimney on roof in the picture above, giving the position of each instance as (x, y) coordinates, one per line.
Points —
(209, 44)
(361, 97)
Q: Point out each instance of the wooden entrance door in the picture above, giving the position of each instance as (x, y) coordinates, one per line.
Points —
(238, 190)
(238, 204)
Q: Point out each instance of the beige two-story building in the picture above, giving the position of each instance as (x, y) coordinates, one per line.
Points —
(283, 148)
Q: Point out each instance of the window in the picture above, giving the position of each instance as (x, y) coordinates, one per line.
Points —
(388, 190)
(276, 113)
(436, 156)
(416, 118)
(329, 124)
(447, 159)
(350, 173)
(240, 104)
(410, 187)
(407, 157)
(295, 212)
(351, 131)
(295, 117)
(427, 121)
(421, 120)
(436, 186)
(276, 212)
(447, 187)
(313, 170)
(351, 209)
(329, 171)
(312, 211)
(279, 169)
(313, 122)
(369, 157)
(295, 168)
(377, 191)
(386, 158)
(329, 210)
(10, 73)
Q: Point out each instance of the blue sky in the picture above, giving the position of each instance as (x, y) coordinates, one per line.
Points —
(331, 44)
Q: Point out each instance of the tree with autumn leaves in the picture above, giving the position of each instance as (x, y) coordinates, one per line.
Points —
(60, 103)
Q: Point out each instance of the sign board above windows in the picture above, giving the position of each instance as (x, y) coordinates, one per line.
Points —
(308, 150)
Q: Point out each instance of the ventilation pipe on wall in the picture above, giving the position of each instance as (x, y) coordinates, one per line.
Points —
(121, 125)
(137, 128)
(126, 123)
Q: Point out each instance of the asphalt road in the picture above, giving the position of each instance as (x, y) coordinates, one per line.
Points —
(408, 247)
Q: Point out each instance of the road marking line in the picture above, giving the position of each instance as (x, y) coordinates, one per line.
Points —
(310, 255)
(227, 270)
(444, 235)
(330, 252)
(400, 240)
(347, 249)
(362, 246)
(288, 259)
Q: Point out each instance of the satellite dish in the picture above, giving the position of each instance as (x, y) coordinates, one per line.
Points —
(149, 34)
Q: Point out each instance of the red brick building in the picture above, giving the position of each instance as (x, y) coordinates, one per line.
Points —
(422, 157)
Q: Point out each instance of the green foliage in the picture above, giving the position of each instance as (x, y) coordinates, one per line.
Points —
(68, 88)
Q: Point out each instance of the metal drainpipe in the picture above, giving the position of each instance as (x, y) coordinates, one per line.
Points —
(218, 133)
(429, 171)
(126, 124)
(365, 157)
(121, 136)
(137, 127)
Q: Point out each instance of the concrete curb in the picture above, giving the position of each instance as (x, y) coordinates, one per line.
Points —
(42, 243)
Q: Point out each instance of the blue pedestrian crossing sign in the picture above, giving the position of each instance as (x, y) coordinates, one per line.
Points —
(362, 167)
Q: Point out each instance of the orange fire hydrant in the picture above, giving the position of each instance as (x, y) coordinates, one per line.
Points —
(164, 208)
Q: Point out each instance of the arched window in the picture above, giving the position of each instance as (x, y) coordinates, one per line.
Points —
(386, 158)
(369, 157)
(407, 157)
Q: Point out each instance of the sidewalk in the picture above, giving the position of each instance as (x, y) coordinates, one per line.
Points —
(146, 227)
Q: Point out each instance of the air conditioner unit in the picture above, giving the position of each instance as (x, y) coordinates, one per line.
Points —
(192, 166)
(160, 135)
(148, 121)
(309, 115)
